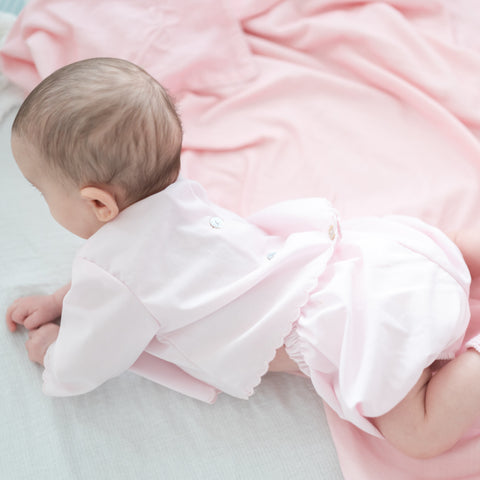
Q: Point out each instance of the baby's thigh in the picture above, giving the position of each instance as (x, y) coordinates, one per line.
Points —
(438, 410)
(402, 423)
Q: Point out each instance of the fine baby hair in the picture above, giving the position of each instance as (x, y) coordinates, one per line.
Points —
(104, 121)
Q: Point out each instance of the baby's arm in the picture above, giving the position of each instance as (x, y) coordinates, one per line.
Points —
(437, 411)
(34, 311)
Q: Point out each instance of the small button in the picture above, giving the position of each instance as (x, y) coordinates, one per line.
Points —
(216, 222)
(331, 233)
(271, 255)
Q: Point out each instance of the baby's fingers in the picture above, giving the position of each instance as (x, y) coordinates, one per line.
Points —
(15, 315)
(11, 325)
(36, 319)
(39, 340)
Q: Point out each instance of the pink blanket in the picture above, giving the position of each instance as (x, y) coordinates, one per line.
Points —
(374, 105)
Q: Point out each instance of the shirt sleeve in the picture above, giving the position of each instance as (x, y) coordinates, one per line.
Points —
(104, 329)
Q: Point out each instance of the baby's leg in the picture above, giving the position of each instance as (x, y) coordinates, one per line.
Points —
(437, 411)
(468, 241)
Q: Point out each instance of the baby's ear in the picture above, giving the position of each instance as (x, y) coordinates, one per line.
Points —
(102, 202)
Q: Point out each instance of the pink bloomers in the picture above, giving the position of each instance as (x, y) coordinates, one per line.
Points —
(393, 299)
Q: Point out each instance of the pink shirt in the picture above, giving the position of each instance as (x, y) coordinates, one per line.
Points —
(188, 294)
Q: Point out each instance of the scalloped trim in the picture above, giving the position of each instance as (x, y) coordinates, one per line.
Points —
(287, 334)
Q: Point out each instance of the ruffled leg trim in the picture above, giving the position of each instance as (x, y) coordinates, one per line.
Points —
(293, 347)
(474, 343)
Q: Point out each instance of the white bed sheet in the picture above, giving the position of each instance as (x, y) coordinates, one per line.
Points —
(130, 428)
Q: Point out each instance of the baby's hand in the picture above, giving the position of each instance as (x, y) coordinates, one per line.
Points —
(39, 340)
(32, 312)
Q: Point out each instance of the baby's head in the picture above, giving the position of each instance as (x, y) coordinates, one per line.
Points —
(102, 124)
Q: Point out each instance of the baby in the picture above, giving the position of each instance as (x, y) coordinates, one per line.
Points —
(196, 298)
